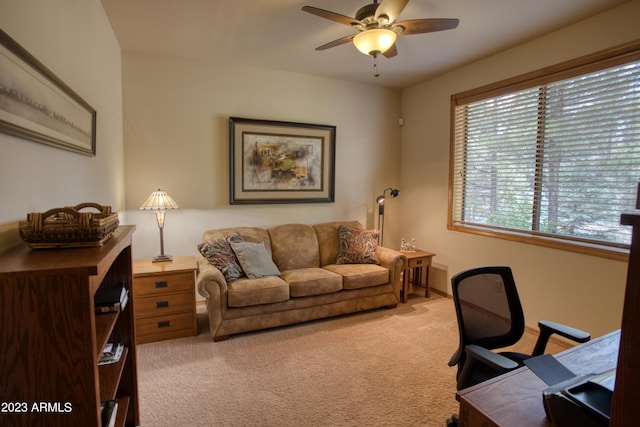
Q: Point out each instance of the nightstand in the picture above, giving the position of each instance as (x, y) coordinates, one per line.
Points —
(164, 299)
(416, 261)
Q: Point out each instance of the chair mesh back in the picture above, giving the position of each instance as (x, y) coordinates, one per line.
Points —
(489, 310)
(484, 306)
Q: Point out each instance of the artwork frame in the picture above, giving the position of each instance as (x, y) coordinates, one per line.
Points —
(281, 162)
(37, 105)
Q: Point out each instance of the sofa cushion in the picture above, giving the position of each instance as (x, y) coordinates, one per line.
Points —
(327, 234)
(294, 246)
(356, 276)
(357, 246)
(254, 259)
(265, 290)
(219, 253)
(304, 282)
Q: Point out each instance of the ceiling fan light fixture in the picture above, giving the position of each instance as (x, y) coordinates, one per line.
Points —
(375, 40)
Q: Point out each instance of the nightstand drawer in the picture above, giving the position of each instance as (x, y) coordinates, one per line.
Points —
(163, 327)
(163, 283)
(418, 262)
(158, 305)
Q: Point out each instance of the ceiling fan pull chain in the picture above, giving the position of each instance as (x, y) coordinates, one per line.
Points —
(375, 66)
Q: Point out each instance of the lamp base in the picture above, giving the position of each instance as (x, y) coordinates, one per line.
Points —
(162, 258)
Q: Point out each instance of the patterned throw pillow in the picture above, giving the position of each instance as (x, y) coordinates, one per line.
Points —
(219, 253)
(357, 246)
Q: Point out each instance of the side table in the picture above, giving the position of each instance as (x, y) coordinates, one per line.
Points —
(416, 261)
(164, 294)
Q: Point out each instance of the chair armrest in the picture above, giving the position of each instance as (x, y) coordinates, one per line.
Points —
(478, 355)
(493, 360)
(548, 328)
(455, 359)
(566, 331)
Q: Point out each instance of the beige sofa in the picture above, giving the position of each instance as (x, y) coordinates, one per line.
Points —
(305, 282)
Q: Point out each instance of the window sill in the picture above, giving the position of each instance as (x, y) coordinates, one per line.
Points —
(603, 251)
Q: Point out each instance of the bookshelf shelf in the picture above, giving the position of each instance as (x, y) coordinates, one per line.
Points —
(104, 326)
(110, 376)
(52, 338)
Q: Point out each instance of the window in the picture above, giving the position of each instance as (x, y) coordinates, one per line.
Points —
(552, 157)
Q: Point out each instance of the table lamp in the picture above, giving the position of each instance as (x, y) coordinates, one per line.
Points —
(160, 201)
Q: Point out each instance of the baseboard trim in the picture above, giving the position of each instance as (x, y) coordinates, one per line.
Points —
(442, 293)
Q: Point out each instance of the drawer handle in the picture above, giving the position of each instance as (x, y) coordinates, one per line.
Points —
(164, 324)
(419, 261)
(162, 304)
(162, 284)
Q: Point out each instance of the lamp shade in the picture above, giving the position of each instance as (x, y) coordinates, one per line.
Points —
(159, 201)
(375, 40)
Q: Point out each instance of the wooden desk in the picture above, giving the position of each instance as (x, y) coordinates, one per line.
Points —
(416, 261)
(515, 398)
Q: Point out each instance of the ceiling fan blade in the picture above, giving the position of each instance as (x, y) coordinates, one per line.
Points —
(391, 8)
(391, 52)
(338, 42)
(419, 26)
(332, 16)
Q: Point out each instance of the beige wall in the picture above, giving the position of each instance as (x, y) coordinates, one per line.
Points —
(580, 290)
(75, 41)
(176, 138)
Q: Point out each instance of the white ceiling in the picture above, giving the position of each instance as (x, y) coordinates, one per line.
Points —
(277, 34)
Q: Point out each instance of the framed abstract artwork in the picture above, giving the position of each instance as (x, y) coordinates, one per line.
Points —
(37, 105)
(281, 162)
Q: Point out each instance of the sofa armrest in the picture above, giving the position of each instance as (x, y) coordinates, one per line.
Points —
(395, 262)
(208, 275)
(212, 285)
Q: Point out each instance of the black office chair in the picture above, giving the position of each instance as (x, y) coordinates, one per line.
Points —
(490, 317)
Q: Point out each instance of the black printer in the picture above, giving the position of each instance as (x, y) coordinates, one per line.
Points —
(583, 401)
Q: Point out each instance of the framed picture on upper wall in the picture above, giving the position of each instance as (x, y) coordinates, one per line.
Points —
(281, 162)
(37, 105)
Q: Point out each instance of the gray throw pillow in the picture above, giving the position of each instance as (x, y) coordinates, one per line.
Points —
(254, 259)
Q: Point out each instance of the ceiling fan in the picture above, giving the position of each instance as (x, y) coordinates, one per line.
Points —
(377, 27)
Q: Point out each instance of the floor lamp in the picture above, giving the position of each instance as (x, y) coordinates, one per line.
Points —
(394, 192)
(160, 201)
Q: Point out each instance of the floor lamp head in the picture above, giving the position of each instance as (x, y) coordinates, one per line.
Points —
(393, 193)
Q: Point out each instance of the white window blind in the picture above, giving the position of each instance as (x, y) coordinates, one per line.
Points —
(559, 159)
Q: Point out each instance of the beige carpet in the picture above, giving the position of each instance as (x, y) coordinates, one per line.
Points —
(378, 368)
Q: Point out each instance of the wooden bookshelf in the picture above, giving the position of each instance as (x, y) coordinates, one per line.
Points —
(52, 339)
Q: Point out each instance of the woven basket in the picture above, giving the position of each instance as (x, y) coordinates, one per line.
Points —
(68, 227)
